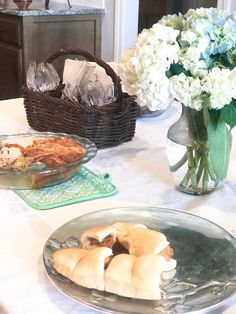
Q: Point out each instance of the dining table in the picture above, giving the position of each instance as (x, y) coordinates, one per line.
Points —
(139, 170)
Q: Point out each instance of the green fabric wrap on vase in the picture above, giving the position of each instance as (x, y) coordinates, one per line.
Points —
(198, 150)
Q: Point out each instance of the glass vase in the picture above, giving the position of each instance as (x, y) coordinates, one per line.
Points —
(189, 155)
(144, 112)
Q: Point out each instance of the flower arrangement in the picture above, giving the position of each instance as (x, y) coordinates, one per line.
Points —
(190, 58)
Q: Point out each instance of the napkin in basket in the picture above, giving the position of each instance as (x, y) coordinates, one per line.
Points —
(88, 80)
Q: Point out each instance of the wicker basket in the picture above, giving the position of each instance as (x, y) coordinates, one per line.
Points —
(106, 126)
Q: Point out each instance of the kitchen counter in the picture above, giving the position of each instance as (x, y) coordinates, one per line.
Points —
(38, 9)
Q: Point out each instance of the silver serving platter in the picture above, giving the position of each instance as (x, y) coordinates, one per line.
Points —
(205, 278)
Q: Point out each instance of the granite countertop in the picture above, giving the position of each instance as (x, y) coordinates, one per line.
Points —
(35, 9)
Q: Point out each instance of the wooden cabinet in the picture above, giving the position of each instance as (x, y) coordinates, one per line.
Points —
(11, 71)
(27, 38)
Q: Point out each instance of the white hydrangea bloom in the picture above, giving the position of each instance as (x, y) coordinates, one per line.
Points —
(203, 43)
(153, 68)
(200, 71)
(165, 33)
(154, 95)
(187, 90)
(174, 21)
(189, 36)
(218, 85)
(232, 80)
(190, 59)
(143, 68)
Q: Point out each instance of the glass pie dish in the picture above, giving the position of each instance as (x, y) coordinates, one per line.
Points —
(38, 174)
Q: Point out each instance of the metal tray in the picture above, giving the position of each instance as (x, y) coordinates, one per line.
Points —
(205, 278)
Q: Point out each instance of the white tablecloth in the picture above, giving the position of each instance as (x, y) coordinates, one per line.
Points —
(139, 170)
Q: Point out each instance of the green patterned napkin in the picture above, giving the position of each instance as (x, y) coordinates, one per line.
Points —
(86, 185)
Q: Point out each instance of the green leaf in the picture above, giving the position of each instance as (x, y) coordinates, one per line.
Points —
(221, 60)
(219, 149)
(228, 114)
(232, 56)
(224, 60)
(176, 69)
(214, 115)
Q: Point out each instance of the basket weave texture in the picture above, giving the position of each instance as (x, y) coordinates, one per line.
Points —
(106, 126)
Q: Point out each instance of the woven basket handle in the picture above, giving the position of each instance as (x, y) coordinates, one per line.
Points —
(109, 71)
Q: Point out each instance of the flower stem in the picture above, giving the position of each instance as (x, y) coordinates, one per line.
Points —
(184, 182)
(205, 179)
(179, 164)
(200, 170)
(192, 166)
(198, 174)
(194, 170)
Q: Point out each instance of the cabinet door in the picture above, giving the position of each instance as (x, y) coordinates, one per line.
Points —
(44, 35)
(10, 69)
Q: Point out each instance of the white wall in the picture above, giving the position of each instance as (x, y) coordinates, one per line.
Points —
(126, 25)
(232, 5)
(108, 31)
(227, 4)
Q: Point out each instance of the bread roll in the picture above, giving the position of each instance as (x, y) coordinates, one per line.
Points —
(123, 229)
(98, 236)
(89, 272)
(84, 267)
(141, 241)
(65, 260)
(135, 277)
(126, 275)
(118, 275)
(147, 277)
